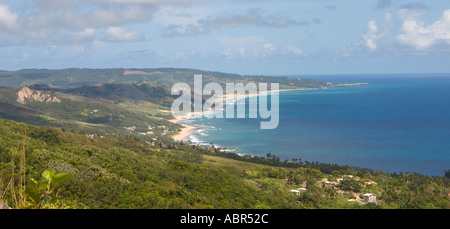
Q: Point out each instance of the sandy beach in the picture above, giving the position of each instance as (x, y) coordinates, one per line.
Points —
(186, 131)
(240, 96)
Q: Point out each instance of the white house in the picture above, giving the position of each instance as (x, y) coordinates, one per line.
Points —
(370, 198)
(297, 191)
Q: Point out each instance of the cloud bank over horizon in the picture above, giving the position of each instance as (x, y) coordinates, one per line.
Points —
(248, 37)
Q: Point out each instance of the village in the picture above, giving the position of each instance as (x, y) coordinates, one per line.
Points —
(336, 184)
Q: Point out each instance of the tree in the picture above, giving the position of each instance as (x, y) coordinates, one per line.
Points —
(44, 193)
(447, 173)
(351, 185)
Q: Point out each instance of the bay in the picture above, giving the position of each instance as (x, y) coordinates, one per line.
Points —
(395, 123)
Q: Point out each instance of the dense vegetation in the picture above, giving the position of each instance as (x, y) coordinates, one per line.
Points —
(107, 143)
(76, 77)
(111, 101)
(97, 110)
(143, 90)
(130, 172)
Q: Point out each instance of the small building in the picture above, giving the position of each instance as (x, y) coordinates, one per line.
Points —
(131, 128)
(297, 191)
(370, 198)
(330, 182)
(90, 136)
(370, 183)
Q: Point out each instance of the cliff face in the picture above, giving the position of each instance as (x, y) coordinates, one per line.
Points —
(26, 94)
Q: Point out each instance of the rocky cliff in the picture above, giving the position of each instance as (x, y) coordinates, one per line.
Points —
(27, 95)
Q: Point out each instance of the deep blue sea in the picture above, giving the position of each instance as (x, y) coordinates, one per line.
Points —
(396, 123)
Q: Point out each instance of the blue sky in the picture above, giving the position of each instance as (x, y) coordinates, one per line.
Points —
(239, 36)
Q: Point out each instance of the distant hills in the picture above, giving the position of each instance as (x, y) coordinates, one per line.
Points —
(105, 101)
(114, 138)
(118, 92)
(109, 108)
(75, 77)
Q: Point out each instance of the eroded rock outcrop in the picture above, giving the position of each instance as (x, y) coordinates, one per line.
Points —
(27, 95)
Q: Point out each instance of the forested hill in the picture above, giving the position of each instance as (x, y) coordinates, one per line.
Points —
(65, 78)
(128, 172)
(101, 109)
(143, 90)
(107, 133)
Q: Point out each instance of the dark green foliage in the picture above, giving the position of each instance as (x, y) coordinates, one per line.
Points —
(351, 185)
(46, 134)
(44, 193)
(94, 115)
(128, 172)
(122, 92)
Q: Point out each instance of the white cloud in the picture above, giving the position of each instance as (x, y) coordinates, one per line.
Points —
(86, 35)
(416, 34)
(183, 16)
(181, 21)
(373, 36)
(121, 34)
(72, 21)
(268, 49)
(294, 50)
(252, 47)
(8, 19)
(228, 53)
(252, 18)
(189, 21)
(100, 17)
(242, 51)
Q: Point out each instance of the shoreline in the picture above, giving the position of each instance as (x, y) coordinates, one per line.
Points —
(187, 130)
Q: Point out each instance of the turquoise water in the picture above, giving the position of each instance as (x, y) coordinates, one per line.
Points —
(396, 123)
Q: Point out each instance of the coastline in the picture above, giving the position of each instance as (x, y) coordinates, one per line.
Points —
(187, 130)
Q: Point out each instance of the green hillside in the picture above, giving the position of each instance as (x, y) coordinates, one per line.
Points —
(75, 77)
(130, 172)
(110, 134)
(98, 109)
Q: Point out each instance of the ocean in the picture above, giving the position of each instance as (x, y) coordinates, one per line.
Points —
(395, 123)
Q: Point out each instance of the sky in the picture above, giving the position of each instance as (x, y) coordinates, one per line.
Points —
(267, 37)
